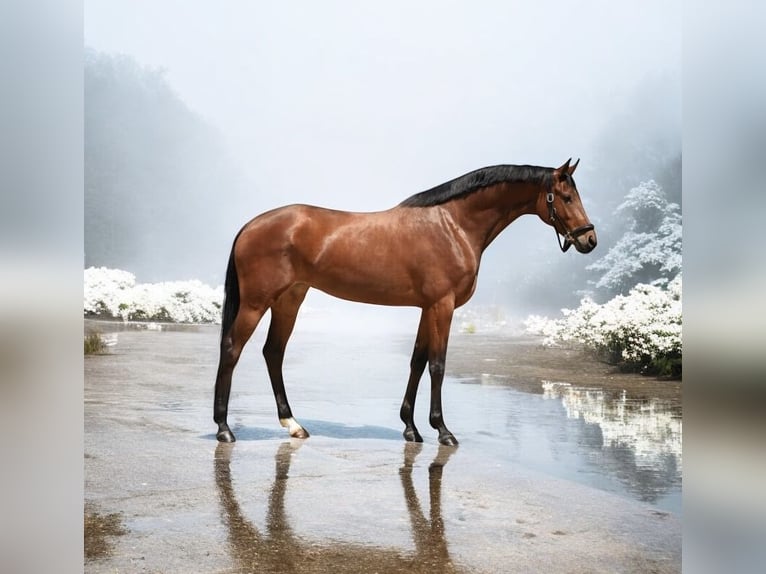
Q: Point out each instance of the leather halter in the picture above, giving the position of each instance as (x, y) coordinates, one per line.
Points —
(569, 236)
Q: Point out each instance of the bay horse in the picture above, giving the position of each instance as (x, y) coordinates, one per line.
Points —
(424, 252)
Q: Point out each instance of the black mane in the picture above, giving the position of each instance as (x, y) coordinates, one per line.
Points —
(478, 179)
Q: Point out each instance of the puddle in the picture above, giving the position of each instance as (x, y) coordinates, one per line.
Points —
(599, 437)
(640, 438)
(651, 428)
(552, 411)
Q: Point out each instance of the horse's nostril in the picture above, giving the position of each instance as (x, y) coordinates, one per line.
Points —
(592, 240)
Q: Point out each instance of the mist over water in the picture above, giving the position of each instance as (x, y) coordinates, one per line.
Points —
(198, 119)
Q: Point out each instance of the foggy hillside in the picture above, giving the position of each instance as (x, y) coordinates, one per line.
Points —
(162, 198)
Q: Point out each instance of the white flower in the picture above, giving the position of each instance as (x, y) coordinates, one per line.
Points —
(114, 293)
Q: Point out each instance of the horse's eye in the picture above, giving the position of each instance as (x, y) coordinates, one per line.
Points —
(567, 198)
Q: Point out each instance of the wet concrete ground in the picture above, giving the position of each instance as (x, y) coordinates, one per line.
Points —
(548, 478)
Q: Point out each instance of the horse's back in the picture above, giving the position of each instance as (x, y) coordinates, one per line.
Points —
(402, 256)
(290, 228)
(294, 243)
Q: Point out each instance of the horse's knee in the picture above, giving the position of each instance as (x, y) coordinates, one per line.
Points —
(436, 370)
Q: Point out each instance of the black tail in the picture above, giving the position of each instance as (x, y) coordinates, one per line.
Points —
(231, 294)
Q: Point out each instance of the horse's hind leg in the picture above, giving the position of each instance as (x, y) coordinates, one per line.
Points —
(283, 315)
(232, 344)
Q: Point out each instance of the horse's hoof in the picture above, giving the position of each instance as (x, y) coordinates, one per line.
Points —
(295, 430)
(225, 435)
(411, 435)
(448, 439)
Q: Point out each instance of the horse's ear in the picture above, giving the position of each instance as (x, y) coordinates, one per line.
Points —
(574, 166)
(564, 169)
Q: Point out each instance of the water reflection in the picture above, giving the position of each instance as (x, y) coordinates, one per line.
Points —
(280, 549)
(640, 438)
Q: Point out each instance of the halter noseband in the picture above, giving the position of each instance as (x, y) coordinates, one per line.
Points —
(569, 236)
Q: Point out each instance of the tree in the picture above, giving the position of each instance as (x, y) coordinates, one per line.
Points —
(162, 198)
(649, 250)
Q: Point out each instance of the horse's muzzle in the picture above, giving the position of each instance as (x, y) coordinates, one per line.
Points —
(583, 242)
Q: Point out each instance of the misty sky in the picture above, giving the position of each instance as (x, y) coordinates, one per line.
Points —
(358, 105)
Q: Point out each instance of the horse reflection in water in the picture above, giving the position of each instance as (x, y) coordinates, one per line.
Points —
(279, 549)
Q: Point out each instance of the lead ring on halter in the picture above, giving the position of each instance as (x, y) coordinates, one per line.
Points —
(569, 236)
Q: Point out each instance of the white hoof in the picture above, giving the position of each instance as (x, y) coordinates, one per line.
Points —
(292, 426)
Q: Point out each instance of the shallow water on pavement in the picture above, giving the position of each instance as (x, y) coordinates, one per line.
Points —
(535, 452)
(601, 438)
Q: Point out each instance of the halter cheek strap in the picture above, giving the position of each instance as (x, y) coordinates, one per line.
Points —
(569, 236)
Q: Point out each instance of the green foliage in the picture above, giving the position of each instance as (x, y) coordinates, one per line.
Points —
(94, 344)
(620, 351)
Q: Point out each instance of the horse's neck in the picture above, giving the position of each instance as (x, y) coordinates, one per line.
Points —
(487, 212)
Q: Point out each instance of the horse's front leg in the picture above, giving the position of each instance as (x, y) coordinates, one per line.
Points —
(417, 366)
(440, 319)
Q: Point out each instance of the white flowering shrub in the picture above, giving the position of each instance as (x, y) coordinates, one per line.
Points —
(106, 290)
(641, 330)
(113, 293)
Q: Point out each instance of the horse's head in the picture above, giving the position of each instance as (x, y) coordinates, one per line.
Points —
(562, 209)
